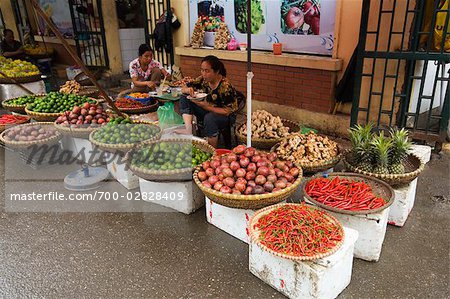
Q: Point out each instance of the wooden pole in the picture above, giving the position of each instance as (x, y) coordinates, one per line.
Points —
(74, 55)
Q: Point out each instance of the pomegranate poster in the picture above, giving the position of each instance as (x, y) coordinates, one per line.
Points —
(302, 26)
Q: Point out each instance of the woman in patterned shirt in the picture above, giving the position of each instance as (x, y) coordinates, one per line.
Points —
(221, 100)
(145, 72)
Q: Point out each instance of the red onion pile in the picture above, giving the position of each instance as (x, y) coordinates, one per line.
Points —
(247, 171)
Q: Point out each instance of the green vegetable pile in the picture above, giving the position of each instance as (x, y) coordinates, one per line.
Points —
(169, 156)
(56, 102)
(124, 133)
(240, 13)
(21, 101)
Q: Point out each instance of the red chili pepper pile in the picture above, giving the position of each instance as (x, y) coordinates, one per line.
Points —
(298, 230)
(343, 194)
(128, 103)
(12, 119)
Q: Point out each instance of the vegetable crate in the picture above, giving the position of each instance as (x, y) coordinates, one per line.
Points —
(230, 220)
(119, 170)
(82, 149)
(371, 229)
(403, 204)
(184, 197)
(322, 278)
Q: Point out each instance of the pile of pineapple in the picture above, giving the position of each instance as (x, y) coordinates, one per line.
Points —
(378, 153)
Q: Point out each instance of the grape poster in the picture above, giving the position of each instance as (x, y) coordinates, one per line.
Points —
(302, 26)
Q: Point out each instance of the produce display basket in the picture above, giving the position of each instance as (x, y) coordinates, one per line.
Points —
(254, 234)
(184, 174)
(7, 126)
(123, 147)
(17, 108)
(254, 201)
(75, 132)
(26, 79)
(45, 117)
(413, 167)
(88, 91)
(24, 144)
(379, 188)
(314, 167)
(261, 143)
(145, 109)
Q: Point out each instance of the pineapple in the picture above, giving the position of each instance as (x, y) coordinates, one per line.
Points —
(399, 151)
(381, 147)
(361, 147)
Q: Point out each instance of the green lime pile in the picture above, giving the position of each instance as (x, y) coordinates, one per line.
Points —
(169, 156)
(114, 133)
(21, 101)
(120, 120)
(56, 102)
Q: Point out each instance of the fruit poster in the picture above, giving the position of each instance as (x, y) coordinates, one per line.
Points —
(59, 13)
(302, 26)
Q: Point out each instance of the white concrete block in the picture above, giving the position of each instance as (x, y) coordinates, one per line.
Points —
(422, 151)
(403, 204)
(118, 169)
(371, 229)
(184, 197)
(323, 278)
(9, 91)
(231, 221)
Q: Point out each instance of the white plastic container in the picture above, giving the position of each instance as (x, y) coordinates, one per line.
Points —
(403, 204)
(323, 278)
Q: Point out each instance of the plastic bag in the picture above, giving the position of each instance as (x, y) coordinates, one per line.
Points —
(168, 117)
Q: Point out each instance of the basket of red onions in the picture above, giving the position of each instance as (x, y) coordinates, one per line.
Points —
(247, 179)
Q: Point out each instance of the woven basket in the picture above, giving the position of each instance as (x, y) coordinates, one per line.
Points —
(315, 167)
(45, 117)
(124, 147)
(17, 108)
(413, 167)
(27, 79)
(88, 91)
(75, 132)
(253, 202)
(261, 143)
(254, 234)
(7, 126)
(184, 174)
(24, 144)
(148, 108)
(379, 188)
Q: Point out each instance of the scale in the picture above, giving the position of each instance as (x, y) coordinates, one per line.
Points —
(86, 178)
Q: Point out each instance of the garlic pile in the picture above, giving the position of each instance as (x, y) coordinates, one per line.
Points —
(70, 87)
(222, 37)
(265, 126)
(307, 148)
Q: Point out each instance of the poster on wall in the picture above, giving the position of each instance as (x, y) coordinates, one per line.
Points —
(302, 26)
(59, 12)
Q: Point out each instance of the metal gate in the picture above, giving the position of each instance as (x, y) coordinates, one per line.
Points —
(89, 32)
(2, 22)
(154, 11)
(402, 71)
(22, 19)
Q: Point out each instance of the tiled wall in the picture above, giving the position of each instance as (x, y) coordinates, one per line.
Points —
(130, 40)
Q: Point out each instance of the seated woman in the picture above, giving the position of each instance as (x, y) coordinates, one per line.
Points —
(145, 72)
(221, 101)
(10, 48)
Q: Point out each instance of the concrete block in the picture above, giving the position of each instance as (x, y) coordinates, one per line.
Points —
(403, 204)
(322, 278)
(118, 169)
(422, 151)
(230, 220)
(184, 197)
